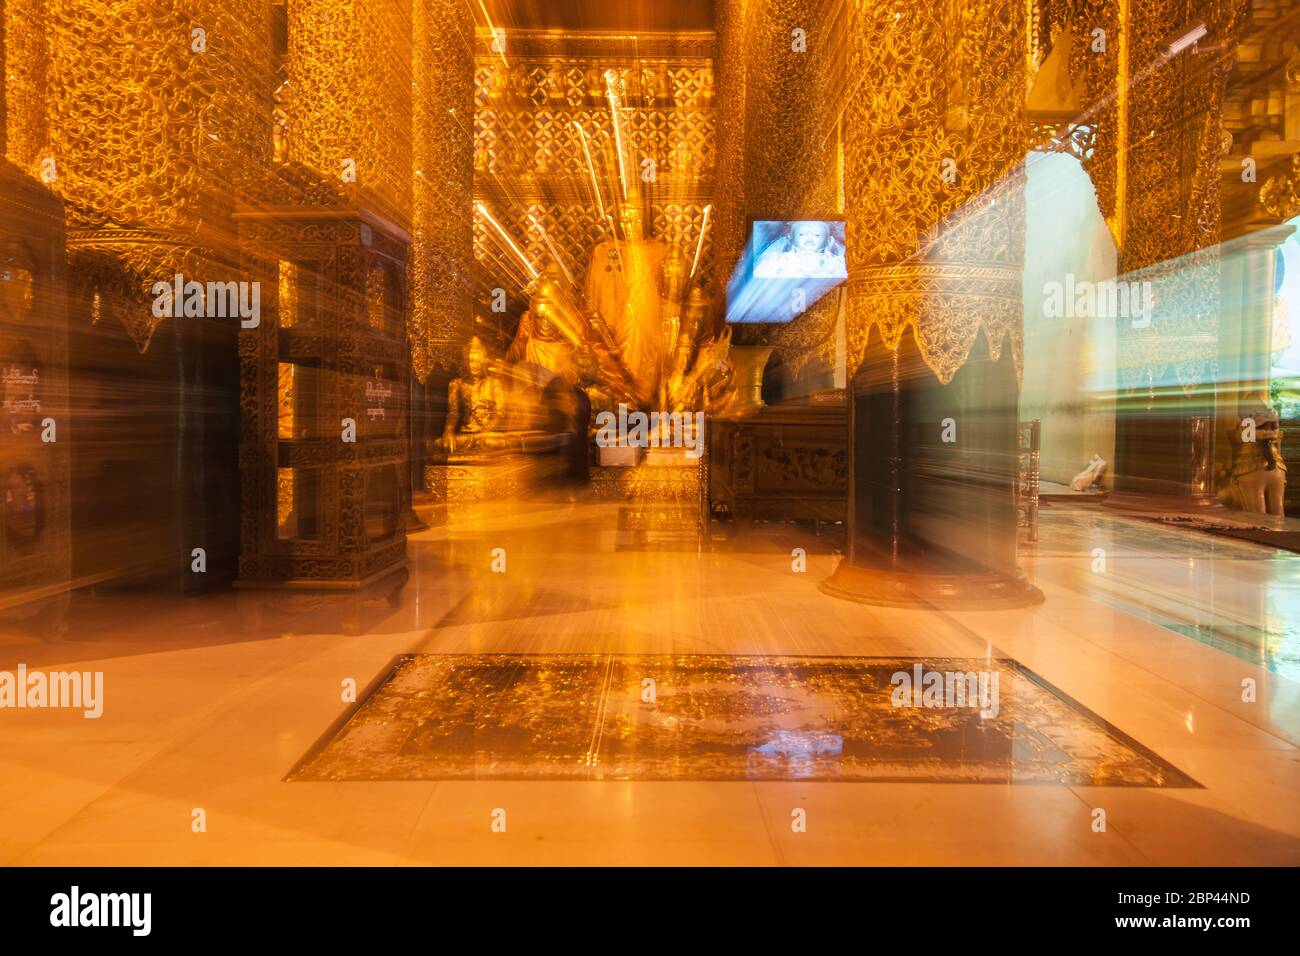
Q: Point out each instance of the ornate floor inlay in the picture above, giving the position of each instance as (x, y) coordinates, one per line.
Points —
(704, 717)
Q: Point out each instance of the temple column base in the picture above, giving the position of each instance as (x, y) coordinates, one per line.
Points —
(982, 591)
(412, 520)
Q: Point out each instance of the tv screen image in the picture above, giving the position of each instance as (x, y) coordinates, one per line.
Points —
(787, 266)
(811, 249)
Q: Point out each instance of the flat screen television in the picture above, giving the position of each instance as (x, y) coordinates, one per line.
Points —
(787, 265)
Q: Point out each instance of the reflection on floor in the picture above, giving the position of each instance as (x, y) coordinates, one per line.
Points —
(662, 528)
(711, 717)
(1224, 608)
(210, 702)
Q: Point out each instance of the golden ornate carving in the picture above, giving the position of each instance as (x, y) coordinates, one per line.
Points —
(511, 476)
(790, 160)
(26, 68)
(665, 477)
(1072, 139)
(780, 96)
(1280, 195)
(1095, 66)
(729, 170)
(442, 309)
(349, 79)
(945, 304)
(315, 510)
(143, 175)
(934, 178)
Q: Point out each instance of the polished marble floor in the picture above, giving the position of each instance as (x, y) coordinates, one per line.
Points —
(1178, 649)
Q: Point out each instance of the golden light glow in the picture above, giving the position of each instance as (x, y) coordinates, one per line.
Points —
(505, 237)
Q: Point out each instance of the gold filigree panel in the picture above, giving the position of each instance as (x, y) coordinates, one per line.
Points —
(1280, 195)
(442, 265)
(543, 142)
(349, 82)
(945, 305)
(148, 134)
(934, 146)
(729, 166)
(26, 69)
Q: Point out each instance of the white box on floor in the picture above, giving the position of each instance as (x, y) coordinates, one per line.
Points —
(619, 456)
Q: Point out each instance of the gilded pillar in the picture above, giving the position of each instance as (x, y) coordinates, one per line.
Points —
(145, 140)
(145, 119)
(781, 78)
(934, 145)
(442, 259)
(26, 68)
(349, 90)
(787, 157)
(733, 19)
(1098, 64)
(1165, 144)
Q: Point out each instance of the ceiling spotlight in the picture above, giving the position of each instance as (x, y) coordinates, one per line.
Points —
(1185, 38)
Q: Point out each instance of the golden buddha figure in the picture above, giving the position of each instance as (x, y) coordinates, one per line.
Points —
(693, 314)
(672, 277)
(557, 94)
(476, 408)
(594, 86)
(622, 287)
(556, 334)
(540, 339)
(672, 286)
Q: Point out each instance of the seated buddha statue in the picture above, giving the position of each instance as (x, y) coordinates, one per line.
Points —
(476, 408)
(541, 339)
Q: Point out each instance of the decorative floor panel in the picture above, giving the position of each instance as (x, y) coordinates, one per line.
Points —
(704, 717)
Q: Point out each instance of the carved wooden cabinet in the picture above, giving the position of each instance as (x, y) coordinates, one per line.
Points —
(324, 381)
(786, 462)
